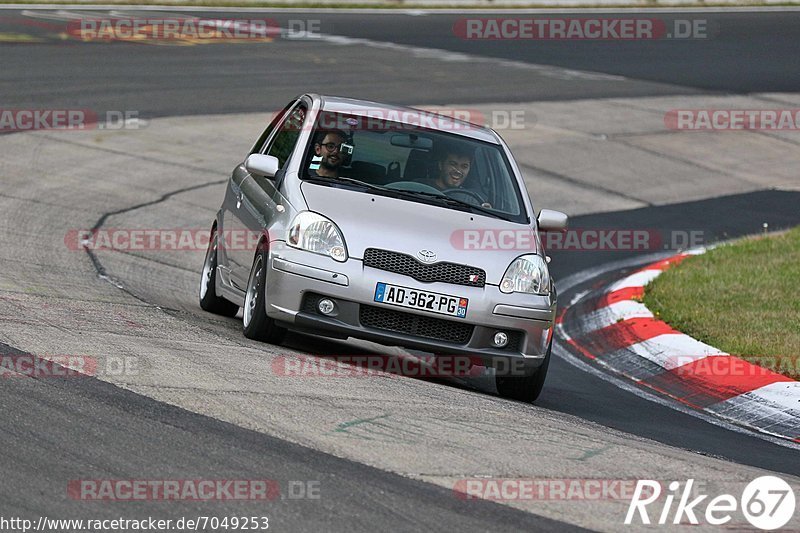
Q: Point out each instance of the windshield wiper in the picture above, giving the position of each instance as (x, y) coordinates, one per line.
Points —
(406, 193)
(342, 179)
(455, 202)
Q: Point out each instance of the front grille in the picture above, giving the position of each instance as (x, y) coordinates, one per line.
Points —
(408, 266)
(417, 325)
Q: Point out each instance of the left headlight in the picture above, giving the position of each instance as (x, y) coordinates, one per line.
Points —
(315, 233)
(529, 274)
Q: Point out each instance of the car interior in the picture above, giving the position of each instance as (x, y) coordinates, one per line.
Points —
(395, 156)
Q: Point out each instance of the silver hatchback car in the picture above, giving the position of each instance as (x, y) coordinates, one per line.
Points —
(355, 219)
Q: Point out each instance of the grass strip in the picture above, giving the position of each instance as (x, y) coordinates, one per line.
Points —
(743, 298)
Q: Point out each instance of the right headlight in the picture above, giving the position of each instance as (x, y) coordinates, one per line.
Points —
(528, 274)
(315, 233)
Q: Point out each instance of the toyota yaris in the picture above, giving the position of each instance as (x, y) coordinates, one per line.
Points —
(356, 219)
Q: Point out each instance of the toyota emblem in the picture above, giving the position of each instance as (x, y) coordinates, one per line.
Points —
(426, 256)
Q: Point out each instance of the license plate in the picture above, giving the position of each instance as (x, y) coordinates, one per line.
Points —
(434, 302)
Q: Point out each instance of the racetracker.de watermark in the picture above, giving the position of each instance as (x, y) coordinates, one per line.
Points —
(576, 239)
(61, 366)
(600, 28)
(17, 120)
(189, 29)
(472, 239)
(733, 366)
(132, 490)
(159, 239)
(533, 489)
(733, 119)
(437, 118)
(379, 365)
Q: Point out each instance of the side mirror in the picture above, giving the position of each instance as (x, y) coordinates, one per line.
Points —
(263, 165)
(550, 220)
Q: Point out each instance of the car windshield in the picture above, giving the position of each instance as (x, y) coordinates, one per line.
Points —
(413, 163)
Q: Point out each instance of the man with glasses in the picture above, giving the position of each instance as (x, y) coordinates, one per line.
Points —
(329, 151)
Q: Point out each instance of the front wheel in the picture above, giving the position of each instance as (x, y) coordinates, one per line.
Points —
(524, 388)
(209, 301)
(257, 325)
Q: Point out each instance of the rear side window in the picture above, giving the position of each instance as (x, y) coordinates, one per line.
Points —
(283, 143)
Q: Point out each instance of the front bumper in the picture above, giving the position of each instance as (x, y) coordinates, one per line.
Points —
(297, 279)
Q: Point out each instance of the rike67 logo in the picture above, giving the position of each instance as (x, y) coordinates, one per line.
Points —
(767, 502)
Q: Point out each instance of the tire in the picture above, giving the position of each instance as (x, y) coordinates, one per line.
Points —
(257, 325)
(209, 301)
(524, 388)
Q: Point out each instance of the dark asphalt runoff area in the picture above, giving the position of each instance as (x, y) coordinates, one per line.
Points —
(742, 52)
(65, 429)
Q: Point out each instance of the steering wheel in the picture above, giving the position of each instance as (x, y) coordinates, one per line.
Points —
(471, 195)
(413, 186)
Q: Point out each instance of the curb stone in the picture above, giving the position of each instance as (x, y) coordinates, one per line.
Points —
(613, 328)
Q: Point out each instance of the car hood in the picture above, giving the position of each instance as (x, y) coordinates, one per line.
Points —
(373, 221)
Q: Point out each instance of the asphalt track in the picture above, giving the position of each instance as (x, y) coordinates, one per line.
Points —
(230, 79)
(133, 437)
(56, 430)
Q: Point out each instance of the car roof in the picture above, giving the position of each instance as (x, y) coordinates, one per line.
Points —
(406, 115)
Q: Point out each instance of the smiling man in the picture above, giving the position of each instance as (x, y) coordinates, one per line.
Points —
(453, 167)
(328, 147)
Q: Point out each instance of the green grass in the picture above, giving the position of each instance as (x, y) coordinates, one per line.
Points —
(743, 298)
